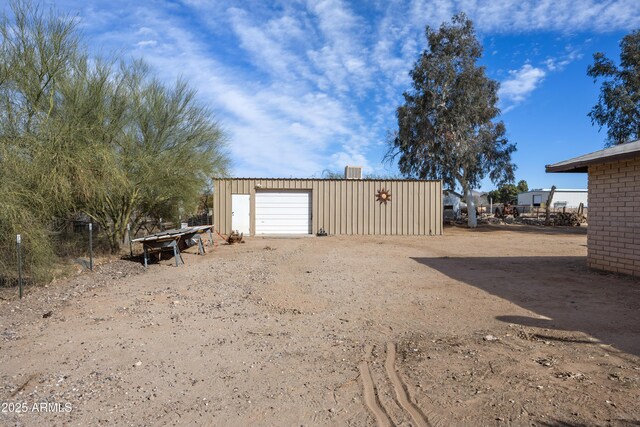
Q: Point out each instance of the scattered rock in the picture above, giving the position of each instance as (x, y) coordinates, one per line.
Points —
(545, 361)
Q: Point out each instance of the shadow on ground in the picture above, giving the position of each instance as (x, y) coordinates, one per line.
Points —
(569, 296)
(523, 228)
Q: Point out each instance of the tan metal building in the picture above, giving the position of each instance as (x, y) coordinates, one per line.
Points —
(257, 206)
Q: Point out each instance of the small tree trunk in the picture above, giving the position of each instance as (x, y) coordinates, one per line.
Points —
(472, 220)
(117, 238)
(547, 207)
(114, 242)
(125, 238)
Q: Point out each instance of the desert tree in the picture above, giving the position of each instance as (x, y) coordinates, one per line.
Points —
(446, 126)
(59, 118)
(522, 186)
(36, 51)
(85, 134)
(169, 148)
(618, 106)
(507, 193)
(504, 194)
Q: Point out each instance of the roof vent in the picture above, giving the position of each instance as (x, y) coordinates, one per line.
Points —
(353, 172)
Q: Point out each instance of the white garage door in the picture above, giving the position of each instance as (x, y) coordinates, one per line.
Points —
(283, 212)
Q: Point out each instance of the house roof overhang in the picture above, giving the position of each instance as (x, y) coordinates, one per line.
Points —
(581, 164)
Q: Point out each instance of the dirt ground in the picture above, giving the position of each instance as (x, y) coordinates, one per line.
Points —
(503, 325)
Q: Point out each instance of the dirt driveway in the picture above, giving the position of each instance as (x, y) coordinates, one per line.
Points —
(498, 326)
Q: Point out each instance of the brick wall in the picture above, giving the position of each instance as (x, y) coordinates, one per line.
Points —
(613, 236)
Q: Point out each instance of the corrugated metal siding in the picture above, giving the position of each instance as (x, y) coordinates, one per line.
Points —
(346, 206)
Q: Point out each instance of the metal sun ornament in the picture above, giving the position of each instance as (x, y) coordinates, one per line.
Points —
(383, 196)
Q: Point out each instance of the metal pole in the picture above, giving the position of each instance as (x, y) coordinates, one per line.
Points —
(130, 244)
(200, 246)
(175, 252)
(18, 241)
(91, 246)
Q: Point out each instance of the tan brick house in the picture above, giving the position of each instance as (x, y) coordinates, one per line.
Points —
(613, 235)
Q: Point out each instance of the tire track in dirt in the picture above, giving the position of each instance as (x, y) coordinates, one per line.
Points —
(370, 393)
(400, 389)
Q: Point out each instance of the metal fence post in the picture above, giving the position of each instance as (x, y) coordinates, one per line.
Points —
(18, 241)
(130, 244)
(91, 246)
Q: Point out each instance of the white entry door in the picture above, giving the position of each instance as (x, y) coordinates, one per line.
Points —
(283, 212)
(240, 213)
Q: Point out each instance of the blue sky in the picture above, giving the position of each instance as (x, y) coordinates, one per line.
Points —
(305, 86)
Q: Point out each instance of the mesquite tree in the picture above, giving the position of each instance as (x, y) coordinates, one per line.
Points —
(446, 127)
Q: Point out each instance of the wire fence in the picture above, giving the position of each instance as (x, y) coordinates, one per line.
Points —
(72, 240)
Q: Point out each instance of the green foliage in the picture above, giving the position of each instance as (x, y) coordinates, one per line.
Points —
(505, 194)
(522, 187)
(85, 135)
(35, 53)
(508, 193)
(17, 217)
(446, 127)
(618, 106)
(168, 149)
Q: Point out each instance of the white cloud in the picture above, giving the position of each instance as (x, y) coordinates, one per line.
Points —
(145, 43)
(145, 31)
(531, 15)
(309, 85)
(559, 63)
(267, 43)
(524, 81)
(278, 128)
(342, 57)
(520, 84)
